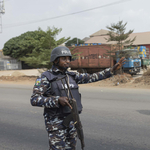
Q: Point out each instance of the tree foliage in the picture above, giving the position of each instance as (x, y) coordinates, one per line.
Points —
(34, 47)
(74, 41)
(117, 33)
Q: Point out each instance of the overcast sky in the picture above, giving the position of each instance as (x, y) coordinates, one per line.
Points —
(27, 15)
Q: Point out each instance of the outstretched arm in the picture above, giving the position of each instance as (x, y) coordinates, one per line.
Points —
(82, 78)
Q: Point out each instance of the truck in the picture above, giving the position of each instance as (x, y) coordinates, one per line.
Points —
(145, 63)
(95, 57)
(92, 58)
(133, 61)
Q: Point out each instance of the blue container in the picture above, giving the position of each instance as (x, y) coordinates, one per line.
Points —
(94, 43)
(86, 44)
(141, 48)
(76, 45)
(140, 55)
(99, 43)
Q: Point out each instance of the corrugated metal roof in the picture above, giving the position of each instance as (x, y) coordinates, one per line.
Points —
(100, 39)
(99, 33)
(141, 38)
(85, 39)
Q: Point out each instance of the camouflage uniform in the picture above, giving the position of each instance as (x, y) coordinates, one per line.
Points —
(60, 138)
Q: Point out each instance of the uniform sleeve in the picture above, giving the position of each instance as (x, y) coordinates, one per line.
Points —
(82, 78)
(40, 97)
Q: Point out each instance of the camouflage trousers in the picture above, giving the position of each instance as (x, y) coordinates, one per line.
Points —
(60, 138)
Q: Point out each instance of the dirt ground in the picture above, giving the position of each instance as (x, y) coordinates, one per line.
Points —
(119, 81)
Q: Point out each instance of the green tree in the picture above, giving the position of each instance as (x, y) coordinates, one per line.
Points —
(117, 34)
(34, 48)
(20, 46)
(74, 41)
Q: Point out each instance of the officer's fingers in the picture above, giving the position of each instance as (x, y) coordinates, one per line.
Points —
(116, 64)
(122, 62)
(66, 98)
(69, 105)
(122, 59)
(62, 101)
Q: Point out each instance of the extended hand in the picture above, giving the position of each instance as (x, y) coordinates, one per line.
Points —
(64, 101)
(119, 64)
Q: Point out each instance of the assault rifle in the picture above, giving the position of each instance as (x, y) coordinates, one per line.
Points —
(74, 115)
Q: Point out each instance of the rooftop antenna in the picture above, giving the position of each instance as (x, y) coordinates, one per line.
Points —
(2, 11)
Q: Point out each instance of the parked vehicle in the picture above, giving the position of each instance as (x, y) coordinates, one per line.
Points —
(133, 61)
(92, 58)
(95, 57)
(145, 63)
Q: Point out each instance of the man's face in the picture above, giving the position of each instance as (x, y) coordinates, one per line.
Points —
(64, 63)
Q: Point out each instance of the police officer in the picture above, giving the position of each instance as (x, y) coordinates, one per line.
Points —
(48, 92)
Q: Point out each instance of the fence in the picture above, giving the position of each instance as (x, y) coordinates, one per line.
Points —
(8, 63)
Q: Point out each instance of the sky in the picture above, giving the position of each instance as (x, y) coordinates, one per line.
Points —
(77, 18)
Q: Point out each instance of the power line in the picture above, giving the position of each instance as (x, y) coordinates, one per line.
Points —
(35, 21)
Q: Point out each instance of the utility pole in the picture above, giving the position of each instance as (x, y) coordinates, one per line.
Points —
(2, 11)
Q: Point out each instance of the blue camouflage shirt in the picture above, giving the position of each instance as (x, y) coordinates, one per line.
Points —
(42, 85)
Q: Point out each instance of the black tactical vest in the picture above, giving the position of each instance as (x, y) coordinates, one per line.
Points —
(57, 89)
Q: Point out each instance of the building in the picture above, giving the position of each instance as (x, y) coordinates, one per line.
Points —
(142, 38)
(85, 39)
(8, 63)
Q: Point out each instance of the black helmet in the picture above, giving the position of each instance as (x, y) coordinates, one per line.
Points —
(59, 52)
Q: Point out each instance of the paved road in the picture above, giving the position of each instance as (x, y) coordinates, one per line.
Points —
(113, 119)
